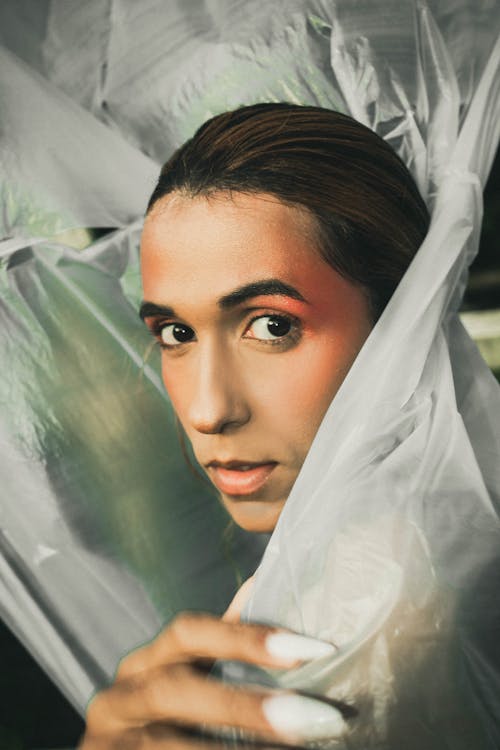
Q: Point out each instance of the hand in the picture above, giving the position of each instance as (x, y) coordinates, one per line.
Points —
(163, 689)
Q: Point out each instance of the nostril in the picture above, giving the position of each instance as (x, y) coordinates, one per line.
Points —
(218, 402)
(220, 423)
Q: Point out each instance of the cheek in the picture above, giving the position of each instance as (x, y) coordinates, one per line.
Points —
(177, 386)
(328, 354)
(287, 394)
(292, 393)
(310, 391)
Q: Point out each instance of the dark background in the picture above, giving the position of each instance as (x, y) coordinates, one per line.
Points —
(33, 713)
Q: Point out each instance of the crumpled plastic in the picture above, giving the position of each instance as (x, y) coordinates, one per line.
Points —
(389, 543)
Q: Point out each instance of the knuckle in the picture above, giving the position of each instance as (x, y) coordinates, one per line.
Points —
(131, 665)
(179, 631)
(124, 668)
(184, 627)
(96, 713)
(186, 620)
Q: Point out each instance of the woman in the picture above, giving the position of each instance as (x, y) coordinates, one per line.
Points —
(272, 243)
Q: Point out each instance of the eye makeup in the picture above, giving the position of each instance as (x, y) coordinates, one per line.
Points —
(276, 321)
(270, 334)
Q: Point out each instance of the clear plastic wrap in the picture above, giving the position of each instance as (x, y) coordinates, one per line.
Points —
(389, 543)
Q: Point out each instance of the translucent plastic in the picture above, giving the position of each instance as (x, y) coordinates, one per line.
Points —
(389, 543)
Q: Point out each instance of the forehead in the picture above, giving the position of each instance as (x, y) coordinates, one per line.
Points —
(210, 245)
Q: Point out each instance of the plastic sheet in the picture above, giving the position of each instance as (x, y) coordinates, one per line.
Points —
(389, 542)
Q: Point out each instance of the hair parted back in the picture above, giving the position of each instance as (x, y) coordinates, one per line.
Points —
(370, 217)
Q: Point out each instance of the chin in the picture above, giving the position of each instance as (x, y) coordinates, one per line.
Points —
(258, 516)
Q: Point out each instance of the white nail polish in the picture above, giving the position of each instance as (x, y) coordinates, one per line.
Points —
(291, 647)
(300, 717)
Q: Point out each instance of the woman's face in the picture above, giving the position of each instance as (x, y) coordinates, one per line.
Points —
(258, 332)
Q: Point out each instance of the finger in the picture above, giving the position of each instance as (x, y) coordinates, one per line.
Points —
(233, 612)
(199, 636)
(180, 695)
(153, 737)
(177, 694)
(184, 738)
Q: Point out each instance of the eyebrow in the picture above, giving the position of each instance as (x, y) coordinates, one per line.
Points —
(265, 287)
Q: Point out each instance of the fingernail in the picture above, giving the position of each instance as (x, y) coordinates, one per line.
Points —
(291, 647)
(303, 718)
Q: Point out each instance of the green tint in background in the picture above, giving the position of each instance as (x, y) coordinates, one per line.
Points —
(91, 408)
(80, 390)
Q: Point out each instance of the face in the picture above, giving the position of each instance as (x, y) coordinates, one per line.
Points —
(257, 334)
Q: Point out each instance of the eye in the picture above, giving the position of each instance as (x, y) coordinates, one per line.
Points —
(174, 334)
(270, 327)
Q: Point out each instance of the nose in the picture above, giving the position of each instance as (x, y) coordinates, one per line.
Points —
(218, 402)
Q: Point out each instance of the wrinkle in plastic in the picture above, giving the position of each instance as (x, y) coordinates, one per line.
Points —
(389, 542)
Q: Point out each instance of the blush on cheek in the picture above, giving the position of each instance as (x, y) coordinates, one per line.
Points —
(321, 378)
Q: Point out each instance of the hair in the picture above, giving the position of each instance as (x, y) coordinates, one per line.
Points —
(369, 216)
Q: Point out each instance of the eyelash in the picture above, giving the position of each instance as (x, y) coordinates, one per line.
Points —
(286, 341)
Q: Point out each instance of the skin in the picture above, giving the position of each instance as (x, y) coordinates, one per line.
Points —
(238, 394)
(240, 391)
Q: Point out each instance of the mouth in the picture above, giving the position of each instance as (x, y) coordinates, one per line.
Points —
(240, 477)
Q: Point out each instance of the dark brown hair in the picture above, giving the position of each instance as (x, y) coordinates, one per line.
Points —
(370, 217)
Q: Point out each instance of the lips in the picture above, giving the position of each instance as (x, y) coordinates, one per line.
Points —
(240, 477)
